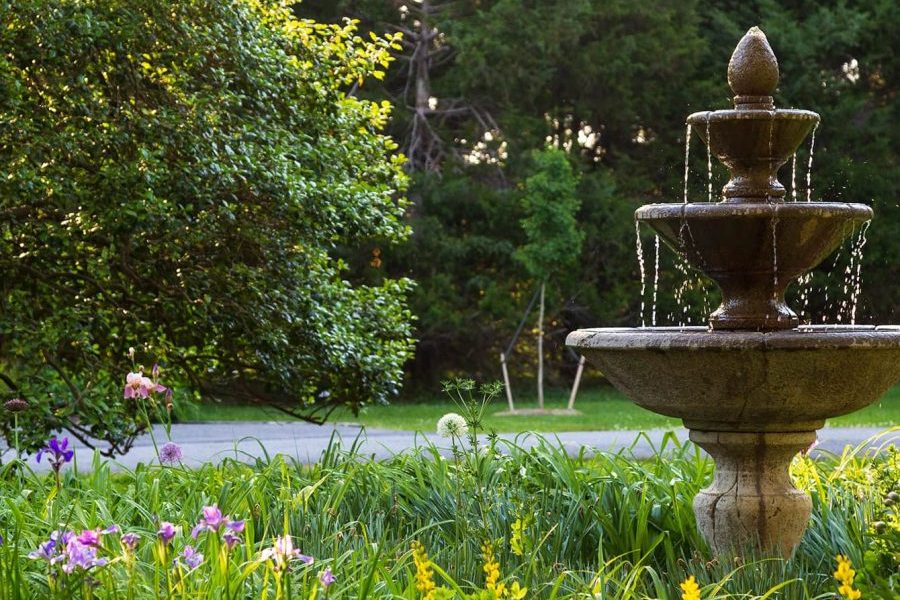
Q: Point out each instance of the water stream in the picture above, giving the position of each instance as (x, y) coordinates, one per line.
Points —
(794, 177)
(655, 280)
(805, 285)
(640, 256)
(709, 185)
(687, 156)
(853, 278)
(812, 147)
(825, 290)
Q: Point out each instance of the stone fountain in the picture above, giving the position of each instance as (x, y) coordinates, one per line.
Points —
(754, 386)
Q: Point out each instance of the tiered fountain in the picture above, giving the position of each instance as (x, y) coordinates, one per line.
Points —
(754, 386)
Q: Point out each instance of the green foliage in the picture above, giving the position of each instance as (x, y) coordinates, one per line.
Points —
(636, 535)
(180, 177)
(631, 70)
(550, 207)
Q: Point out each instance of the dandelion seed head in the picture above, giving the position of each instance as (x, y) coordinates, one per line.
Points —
(452, 425)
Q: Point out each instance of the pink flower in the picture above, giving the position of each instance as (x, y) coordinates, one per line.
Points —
(90, 537)
(283, 552)
(139, 386)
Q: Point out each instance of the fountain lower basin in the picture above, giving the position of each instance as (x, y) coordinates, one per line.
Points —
(778, 381)
(752, 400)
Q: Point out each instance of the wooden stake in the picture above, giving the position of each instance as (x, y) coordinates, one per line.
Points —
(577, 382)
(540, 348)
(509, 398)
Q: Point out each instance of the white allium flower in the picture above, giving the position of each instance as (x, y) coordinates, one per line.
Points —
(452, 425)
(523, 471)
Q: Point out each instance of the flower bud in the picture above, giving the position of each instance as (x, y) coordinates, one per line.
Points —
(15, 405)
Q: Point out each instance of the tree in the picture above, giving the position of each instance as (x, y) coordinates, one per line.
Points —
(611, 84)
(550, 206)
(183, 177)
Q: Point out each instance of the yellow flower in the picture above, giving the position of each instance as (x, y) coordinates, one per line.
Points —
(516, 539)
(845, 575)
(516, 592)
(491, 570)
(691, 589)
(424, 574)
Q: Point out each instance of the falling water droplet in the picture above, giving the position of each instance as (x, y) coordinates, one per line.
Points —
(684, 284)
(640, 256)
(687, 156)
(794, 177)
(708, 163)
(655, 280)
(825, 290)
(853, 277)
(805, 284)
(812, 147)
(857, 286)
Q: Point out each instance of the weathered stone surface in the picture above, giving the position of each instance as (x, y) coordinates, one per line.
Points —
(752, 503)
(752, 400)
(753, 68)
(754, 251)
(753, 144)
(746, 380)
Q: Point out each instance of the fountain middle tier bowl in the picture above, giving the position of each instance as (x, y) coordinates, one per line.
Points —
(753, 251)
(725, 238)
(780, 381)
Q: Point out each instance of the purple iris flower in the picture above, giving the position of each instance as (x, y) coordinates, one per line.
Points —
(46, 551)
(326, 578)
(50, 550)
(306, 560)
(64, 547)
(231, 536)
(213, 520)
(59, 451)
(236, 526)
(166, 532)
(231, 540)
(81, 556)
(129, 541)
(191, 558)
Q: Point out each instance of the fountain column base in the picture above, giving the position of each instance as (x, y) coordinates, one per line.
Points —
(752, 503)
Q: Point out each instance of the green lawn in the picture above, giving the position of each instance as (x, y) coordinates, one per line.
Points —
(601, 408)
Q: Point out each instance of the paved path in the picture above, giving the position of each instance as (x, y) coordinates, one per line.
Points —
(246, 441)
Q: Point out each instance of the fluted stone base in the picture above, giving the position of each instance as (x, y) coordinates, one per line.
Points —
(752, 503)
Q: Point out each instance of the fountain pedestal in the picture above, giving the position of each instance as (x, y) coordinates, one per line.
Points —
(752, 501)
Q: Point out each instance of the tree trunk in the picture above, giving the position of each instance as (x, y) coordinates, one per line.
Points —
(540, 346)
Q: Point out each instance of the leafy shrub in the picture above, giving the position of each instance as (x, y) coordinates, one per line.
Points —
(179, 176)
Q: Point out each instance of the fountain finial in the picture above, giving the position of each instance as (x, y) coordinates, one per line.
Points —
(753, 72)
